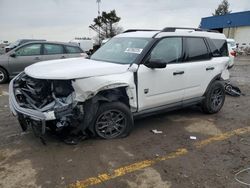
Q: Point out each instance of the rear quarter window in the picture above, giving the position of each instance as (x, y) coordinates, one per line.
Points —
(214, 50)
(73, 49)
(221, 46)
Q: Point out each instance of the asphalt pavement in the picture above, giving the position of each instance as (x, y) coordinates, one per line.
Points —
(217, 150)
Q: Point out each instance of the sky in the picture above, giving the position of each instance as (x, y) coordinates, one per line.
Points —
(63, 20)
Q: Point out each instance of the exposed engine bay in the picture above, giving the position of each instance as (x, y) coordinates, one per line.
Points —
(53, 98)
(42, 95)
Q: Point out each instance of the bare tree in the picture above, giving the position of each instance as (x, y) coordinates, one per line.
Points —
(106, 24)
(222, 9)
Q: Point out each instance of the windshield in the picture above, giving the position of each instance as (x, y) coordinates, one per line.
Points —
(122, 50)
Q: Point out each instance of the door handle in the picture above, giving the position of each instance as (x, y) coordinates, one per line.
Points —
(178, 72)
(37, 58)
(209, 68)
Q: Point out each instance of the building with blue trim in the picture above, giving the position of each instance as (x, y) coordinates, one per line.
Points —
(233, 25)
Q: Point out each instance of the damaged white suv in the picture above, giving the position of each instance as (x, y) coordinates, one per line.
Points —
(136, 73)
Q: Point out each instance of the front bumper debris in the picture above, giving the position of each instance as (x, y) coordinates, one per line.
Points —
(58, 111)
(16, 108)
(22, 113)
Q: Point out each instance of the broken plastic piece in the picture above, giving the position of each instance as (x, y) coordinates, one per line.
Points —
(232, 90)
(156, 131)
(193, 137)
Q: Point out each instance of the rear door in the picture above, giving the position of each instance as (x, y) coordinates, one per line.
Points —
(201, 67)
(53, 51)
(74, 51)
(25, 56)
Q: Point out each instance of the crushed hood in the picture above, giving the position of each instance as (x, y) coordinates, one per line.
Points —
(73, 68)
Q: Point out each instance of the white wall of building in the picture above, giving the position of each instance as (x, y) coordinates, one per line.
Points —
(240, 34)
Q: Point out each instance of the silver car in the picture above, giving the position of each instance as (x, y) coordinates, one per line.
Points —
(17, 59)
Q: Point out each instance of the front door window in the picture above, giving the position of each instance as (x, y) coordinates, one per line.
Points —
(29, 50)
(168, 50)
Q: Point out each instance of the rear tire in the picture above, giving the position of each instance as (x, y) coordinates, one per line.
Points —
(214, 98)
(3, 76)
(113, 120)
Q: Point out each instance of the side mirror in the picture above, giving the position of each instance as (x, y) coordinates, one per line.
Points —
(155, 64)
(13, 55)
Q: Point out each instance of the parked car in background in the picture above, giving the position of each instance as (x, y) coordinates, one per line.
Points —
(231, 44)
(22, 56)
(19, 43)
(86, 44)
(2, 47)
(232, 55)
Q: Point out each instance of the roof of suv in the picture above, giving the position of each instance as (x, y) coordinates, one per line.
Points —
(196, 32)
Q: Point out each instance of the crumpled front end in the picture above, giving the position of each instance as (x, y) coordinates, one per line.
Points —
(67, 106)
(44, 104)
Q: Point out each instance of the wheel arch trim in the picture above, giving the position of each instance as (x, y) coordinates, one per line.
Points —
(217, 77)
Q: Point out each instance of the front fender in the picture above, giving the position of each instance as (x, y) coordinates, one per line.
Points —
(88, 87)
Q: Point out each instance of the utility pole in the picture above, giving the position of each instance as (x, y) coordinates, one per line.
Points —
(99, 14)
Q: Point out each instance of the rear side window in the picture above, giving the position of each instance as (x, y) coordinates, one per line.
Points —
(196, 49)
(50, 49)
(73, 49)
(221, 45)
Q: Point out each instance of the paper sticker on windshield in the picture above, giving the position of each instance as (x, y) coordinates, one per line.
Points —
(133, 50)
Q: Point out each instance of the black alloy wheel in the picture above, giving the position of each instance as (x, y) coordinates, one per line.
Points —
(214, 98)
(113, 120)
(217, 98)
(3, 76)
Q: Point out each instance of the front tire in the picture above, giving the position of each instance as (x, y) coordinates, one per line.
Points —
(113, 120)
(214, 98)
(3, 76)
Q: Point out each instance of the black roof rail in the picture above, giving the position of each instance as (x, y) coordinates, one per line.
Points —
(134, 30)
(173, 29)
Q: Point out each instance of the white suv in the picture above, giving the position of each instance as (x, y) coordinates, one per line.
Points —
(136, 73)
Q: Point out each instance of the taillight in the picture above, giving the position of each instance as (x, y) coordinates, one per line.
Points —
(233, 53)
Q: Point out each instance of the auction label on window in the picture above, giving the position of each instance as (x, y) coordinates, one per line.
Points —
(134, 50)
